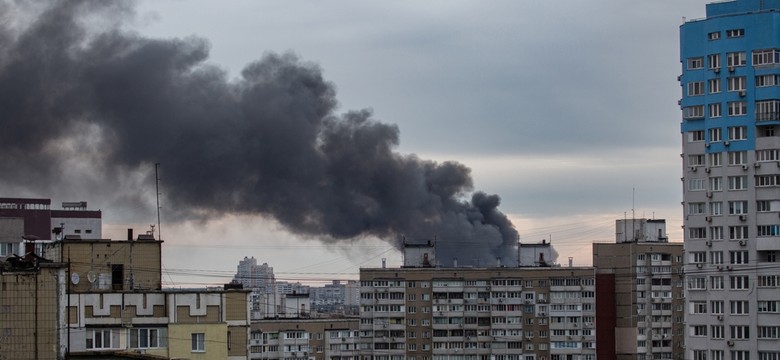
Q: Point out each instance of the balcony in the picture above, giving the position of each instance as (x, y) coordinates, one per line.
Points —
(768, 243)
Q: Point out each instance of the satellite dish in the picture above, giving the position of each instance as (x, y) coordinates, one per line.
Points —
(74, 278)
(91, 277)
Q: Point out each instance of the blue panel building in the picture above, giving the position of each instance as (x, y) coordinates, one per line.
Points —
(730, 128)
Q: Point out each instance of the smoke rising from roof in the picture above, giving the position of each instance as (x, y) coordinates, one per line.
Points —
(85, 103)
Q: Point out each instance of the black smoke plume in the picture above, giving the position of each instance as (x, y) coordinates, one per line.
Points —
(83, 98)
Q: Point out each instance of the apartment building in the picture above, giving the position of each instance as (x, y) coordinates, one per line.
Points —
(640, 307)
(498, 313)
(305, 339)
(731, 147)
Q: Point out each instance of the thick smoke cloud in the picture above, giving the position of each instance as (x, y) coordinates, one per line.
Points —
(268, 143)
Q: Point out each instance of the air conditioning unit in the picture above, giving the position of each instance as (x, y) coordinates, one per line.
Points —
(726, 143)
(693, 168)
(542, 314)
(717, 70)
(742, 218)
(708, 218)
(707, 145)
(758, 164)
(742, 93)
(731, 69)
(707, 170)
(708, 243)
(720, 268)
(730, 343)
(742, 243)
(708, 194)
(575, 325)
(728, 267)
(698, 266)
(720, 317)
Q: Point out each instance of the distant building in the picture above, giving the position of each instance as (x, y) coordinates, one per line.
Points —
(305, 339)
(494, 313)
(639, 293)
(256, 277)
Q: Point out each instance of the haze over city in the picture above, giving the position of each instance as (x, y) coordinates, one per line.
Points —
(567, 111)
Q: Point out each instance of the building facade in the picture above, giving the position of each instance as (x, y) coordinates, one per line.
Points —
(731, 147)
(500, 313)
(305, 339)
(640, 307)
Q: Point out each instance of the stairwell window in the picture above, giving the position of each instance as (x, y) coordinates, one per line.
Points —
(198, 342)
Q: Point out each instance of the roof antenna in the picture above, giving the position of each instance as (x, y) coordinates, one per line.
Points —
(157, 188)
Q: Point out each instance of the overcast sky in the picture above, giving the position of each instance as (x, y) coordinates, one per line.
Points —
(565, 109)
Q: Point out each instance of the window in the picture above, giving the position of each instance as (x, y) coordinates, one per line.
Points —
(716, 183)
(697, 208)
(696, 184)
(198, 342)
(737, 157)
(738, 257)
(696, 88)
(699, 330)
(767, 205)
(716, 233)
(737, 108)
(768, 230)
(767, 80)
(713, 85)
(767, 180)
(736, 83)
(739, 307)
(695, 63)
(740, 332)
(735, 33)
(697, 283)
(766, 57)
(8, 249)
(694, 112)
(737, 182)
(699, 257)
(715, 111)
(696, 136)
(738, 232)
(768, 306)
(716, 257)
(738, 207)
(768, 281)
(716, 282)
(716, 208)
(716, 306)
(714, 61)
(713, 35)
(716, 159)
(102, 339)
(718, 331)
(696, 160)
(148, 338)
(769, 332)
(736, 59)
(767, 155)
(767, 110)
(697, 233)
(739, 282)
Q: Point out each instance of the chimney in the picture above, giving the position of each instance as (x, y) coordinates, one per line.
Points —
(129, 234)
(454, 262)
(571, 261)
(384, 263)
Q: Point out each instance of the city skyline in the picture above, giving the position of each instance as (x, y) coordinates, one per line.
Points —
(480, 85)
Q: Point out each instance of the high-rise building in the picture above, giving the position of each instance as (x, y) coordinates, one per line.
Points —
(493, 313)
(731, 176)
(639, 293)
